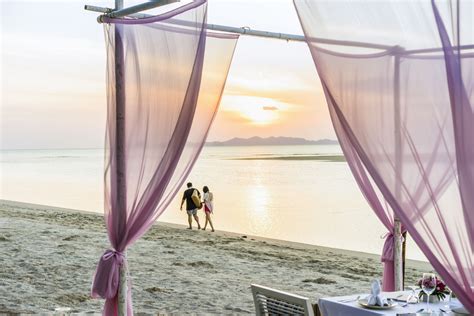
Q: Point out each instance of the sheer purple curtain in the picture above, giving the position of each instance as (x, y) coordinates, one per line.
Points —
(403, 107)
(173, 77)
(373, 196)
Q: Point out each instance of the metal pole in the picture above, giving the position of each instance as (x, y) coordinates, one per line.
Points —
(397, 229)
(133, 12)
(118, 13)
(257, 33)
(120, 153)
(435, 49)
(291, 37)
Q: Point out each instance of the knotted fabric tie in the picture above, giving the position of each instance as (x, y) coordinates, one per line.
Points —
(389, 246)
(107, 275)
(387, 252)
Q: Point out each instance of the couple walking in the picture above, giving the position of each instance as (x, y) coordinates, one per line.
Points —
(192, 197)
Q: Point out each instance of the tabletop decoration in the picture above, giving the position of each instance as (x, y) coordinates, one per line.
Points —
(439, 293)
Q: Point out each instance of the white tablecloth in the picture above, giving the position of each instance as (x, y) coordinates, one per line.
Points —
(332, 306)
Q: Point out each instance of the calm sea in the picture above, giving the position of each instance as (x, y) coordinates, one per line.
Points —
(309, 201)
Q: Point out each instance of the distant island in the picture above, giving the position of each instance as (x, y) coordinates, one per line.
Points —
(271, 141)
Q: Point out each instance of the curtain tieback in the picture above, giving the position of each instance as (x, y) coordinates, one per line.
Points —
(389, 246)
(107, 275)
(387, 252)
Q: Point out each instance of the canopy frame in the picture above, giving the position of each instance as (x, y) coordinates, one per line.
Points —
(135, 12)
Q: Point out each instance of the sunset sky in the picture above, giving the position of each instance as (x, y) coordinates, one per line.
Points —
(53, 75)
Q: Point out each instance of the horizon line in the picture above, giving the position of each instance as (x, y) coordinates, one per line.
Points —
(207, 142)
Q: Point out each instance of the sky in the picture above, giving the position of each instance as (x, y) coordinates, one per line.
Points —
(53, 75)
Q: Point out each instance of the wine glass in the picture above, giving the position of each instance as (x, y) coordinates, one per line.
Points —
(412, 297)
(428, 285)
(447, 304)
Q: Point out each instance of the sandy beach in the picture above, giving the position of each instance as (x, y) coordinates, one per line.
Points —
(49, 255)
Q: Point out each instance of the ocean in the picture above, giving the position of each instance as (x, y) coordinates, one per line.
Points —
(256, 192)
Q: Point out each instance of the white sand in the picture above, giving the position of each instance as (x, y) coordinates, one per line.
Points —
(48, 256)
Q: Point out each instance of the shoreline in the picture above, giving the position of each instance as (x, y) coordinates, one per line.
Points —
(173, 270)
(217, 232)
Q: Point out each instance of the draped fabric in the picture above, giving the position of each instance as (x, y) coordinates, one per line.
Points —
(165, 79)
(375, 200)
(402, 107)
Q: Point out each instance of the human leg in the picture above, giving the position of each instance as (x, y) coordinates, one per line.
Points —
(196, 218)
(190, 220)
(205, 224)
(208, 219)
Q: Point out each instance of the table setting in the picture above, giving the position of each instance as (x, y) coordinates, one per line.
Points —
(429, 297)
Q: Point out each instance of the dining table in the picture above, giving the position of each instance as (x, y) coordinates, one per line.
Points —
(349, 305)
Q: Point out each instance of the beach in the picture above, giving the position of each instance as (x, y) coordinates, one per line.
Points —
(49, 255)
(258, 190)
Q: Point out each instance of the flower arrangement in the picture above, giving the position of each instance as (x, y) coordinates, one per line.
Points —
(440, 291)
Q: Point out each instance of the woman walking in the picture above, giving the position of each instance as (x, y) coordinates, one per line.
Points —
(208, 206)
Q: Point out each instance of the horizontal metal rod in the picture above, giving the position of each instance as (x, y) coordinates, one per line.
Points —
(250, 32)
(97, 9)
(139, 7)
(134, 13)
(215, 27)
(290, 37)
(434, 50)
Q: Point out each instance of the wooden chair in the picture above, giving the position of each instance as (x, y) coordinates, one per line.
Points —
(273, 302)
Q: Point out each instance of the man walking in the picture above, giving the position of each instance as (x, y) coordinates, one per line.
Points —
(191, 207)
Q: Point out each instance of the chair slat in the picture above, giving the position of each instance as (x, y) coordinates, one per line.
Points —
(273, 302)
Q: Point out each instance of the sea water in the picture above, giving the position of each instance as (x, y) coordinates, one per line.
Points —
(309, 201)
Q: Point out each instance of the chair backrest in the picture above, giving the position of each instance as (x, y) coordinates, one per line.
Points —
(273, 302)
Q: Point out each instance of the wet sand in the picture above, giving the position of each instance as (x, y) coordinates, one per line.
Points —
(48, 256)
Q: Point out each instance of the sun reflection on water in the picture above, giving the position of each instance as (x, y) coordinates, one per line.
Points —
(258, 206)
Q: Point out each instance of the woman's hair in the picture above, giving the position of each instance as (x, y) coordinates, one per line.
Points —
(205, 189)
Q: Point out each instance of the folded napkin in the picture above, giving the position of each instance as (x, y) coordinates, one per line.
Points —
(375, 298)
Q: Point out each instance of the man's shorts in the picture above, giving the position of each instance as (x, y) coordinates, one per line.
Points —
(192, 212)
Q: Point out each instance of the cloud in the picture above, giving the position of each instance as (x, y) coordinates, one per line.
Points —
(269, 108)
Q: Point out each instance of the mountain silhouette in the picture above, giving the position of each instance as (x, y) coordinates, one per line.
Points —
(271, 141)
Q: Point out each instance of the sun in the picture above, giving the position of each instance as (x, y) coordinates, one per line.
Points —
(255, 110)
(257, 115)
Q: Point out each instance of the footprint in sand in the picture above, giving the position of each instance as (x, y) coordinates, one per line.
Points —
(71, 238)
(236, 309)
(202, 264)
(156, 289)
(321, 280)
